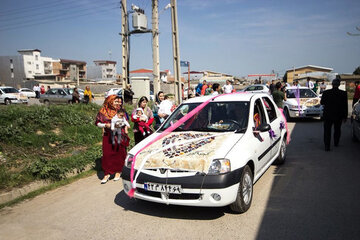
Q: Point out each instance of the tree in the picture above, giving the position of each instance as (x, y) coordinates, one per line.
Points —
(357, 71)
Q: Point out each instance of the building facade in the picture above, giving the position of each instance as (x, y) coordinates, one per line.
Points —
(104, 70)
(15, 70)
(314, 72)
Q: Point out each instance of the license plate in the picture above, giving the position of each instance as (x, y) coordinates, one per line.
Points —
(157, 187)
(313, 110)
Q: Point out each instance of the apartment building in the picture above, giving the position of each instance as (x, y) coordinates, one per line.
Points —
(103, 70)
(15, 70)
(70, 70)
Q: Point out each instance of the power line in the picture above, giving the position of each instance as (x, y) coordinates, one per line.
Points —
(41, 15)
(70, 17)
(32, 7)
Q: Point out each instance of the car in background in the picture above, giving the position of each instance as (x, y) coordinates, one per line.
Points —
(9, 95)
(81, 93)
(257, 88)
(56, 96)
(212, 159)
(112, 91)
(301, 102)
(27, 92)
(355, 122)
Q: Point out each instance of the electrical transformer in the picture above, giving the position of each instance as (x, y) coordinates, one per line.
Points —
(139, 21)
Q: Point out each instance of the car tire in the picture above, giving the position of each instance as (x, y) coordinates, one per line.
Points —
(244, 193)
(287, 115)
(282, 154)
(70, 102)
(7, 101)
(46, 102)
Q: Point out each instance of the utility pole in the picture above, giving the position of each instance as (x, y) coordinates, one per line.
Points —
(155, 46)
(125, 43)
(176, 52)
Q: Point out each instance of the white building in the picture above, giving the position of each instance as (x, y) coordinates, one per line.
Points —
(15, 70)
(104, 70)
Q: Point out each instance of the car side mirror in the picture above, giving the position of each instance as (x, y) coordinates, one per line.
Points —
(264, 127)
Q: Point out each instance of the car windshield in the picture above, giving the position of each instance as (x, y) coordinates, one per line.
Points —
(302, 93)
(10, 90)
(214, 117)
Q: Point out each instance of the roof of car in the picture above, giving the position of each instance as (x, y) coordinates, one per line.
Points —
(238, 96)
(295, 87)
(5, 87)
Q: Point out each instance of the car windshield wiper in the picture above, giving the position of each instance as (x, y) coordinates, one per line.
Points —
(241, 130)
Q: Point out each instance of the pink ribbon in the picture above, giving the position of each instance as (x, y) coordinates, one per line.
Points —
(286, 126)
(297, 94)
(166, 132)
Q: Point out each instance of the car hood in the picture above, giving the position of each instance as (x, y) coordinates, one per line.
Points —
(308, 102)
(192, 151)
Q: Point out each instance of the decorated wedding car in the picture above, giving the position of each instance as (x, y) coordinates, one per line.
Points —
(302, 102)
(209, 152)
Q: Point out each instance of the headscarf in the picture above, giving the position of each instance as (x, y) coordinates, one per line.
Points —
(108, 109)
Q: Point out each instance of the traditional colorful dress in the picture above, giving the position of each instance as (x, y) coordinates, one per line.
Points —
(137, 134)
(113, 156)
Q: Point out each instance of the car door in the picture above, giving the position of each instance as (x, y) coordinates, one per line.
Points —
(262, 148)
(2, 96)
(62, 96)
(274, 119)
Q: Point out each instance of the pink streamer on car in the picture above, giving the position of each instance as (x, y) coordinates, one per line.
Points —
(166, 132)
(297, 95)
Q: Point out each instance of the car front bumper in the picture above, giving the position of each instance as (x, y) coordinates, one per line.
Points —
(197, 190)
(305, 113)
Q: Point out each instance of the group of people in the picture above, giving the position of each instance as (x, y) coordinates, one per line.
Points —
(39, 90)
(203, 88)
(88, 96)
(114, 121)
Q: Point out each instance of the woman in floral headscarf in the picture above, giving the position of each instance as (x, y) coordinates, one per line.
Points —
(113, 157)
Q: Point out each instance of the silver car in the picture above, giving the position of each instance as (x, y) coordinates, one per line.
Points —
(355, 122)
(56, 96)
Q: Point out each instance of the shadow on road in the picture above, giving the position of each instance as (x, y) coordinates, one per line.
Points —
(315, 194)
(168, 211)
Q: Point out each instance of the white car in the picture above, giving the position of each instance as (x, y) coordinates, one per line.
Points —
(257, 88)
(9, 95)
(27, 92)
(301, 102)
(212, 159)
(112, 91)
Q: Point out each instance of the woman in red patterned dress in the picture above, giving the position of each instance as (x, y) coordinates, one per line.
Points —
(113, 157)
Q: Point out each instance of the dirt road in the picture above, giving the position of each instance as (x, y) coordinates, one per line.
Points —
(315, 195)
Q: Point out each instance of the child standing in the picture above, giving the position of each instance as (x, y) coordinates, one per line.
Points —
(118, 122)
(143, 127)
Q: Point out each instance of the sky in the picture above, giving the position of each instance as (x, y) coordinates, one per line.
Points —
(237, 37)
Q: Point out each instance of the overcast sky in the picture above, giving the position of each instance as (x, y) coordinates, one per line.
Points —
(238, 37)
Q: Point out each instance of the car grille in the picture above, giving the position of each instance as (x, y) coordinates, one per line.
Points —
(183, 196)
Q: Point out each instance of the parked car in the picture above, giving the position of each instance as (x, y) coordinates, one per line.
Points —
(81, 92)
(9, 95)
(355, 122)
(257, 88)
(27, 92)
(302, 102)
(214, 158)
(56, 96)
(112, 91)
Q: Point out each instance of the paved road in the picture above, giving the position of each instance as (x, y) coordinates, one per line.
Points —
(315, 195)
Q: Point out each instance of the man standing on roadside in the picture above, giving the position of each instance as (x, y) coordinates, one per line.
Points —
(356, 93)
(335, 111)
(309, 84)
(36, 89)
(228, 88)
(279, 95)
(272, 86)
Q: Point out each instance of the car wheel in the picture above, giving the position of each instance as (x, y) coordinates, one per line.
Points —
(245, 192)
(7, 101)
(46, 102)
(354, 137)
(282, 154)
(287, 115)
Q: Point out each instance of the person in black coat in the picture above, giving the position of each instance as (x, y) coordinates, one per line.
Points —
(335, 111)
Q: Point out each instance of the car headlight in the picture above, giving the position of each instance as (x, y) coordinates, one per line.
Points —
(218, 166)
(128, 160)
(294, 106)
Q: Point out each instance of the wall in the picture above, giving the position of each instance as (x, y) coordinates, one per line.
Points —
(5, 71)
